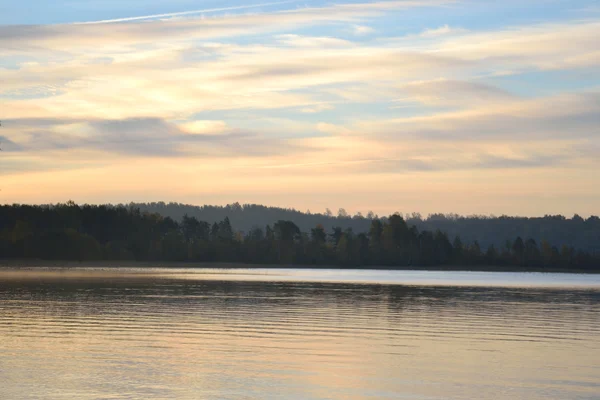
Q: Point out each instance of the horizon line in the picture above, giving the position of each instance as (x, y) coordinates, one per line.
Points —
(406, 215)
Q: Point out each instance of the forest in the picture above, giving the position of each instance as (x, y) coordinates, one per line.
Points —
(487, 230)
(105, 232)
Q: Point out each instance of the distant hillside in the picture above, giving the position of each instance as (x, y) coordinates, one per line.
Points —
(248, 216)
(558, 230)
(577, 232)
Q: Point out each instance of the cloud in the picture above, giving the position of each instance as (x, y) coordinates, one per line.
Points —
(397, 166)
(291, 70)
(308, 41)
(441, 31)
(317, 108)
(563, 116)
(146, 137)
(361, 30)
(454, 93)
(531, 161)
(71, 37)
(545, 46)
(200, 127)
(360, 156)
(6, 143)
(241, 78)
(332, 129)
(171, 79)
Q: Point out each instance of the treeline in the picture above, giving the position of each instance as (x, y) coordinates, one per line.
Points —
(91, 232)
(244, 217)
(557, 230)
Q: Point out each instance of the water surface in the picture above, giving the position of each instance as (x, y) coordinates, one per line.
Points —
(297, 334)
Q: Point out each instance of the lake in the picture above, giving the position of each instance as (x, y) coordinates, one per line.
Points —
(93, 333)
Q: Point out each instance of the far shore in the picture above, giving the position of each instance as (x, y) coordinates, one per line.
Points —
(13, 264)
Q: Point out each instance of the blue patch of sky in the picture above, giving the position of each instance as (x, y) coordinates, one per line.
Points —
(474, 13)
(10, 63)
(37, 92)
(342, 114)
(477, 16)
(485, 15)
(26, 96)
(468, 14)
(548, 83)
(66, 11)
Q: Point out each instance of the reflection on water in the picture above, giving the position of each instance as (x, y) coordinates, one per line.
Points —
(179, 334)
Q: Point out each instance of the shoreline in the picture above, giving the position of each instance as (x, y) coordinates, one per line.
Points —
(29, 264)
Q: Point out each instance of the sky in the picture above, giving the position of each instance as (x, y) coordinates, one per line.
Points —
(469, 107)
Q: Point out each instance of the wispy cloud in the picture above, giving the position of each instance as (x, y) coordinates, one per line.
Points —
(148, 137)
(564, 116)
(455, 93)
(361, 30)
(73, 37)
(441, 31)
(311, 41)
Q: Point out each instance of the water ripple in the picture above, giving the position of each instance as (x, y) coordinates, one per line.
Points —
(182, 335)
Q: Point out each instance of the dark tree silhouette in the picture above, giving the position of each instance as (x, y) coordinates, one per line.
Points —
(89, 232)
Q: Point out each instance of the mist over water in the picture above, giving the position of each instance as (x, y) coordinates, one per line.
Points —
(291, 334)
